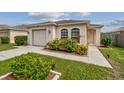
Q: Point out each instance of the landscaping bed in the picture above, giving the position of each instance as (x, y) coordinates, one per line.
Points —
(67, 45)
(28, 67)
(64, 52)
(70, 70)
(53, 75)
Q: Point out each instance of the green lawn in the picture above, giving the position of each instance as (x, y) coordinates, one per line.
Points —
(71, 70)
(116, 59)
(6, 47)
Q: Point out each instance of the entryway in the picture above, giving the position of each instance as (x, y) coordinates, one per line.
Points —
(91, 34)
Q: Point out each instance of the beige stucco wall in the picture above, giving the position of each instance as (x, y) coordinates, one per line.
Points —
(53, 32)
(83, 32)
(16, 33)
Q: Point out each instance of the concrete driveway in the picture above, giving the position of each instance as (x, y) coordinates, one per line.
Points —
(94, 55)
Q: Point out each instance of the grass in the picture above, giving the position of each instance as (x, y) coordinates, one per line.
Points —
(6, 47)
(116, 59)
(4, 66)
(71, 70)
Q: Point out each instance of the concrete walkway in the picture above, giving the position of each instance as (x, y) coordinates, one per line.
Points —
(94, 55)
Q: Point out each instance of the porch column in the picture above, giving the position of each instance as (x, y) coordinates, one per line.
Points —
(83, 35)
(53, 32)
(97, 41)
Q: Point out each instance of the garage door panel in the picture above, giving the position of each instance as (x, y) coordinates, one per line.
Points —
(39, 38)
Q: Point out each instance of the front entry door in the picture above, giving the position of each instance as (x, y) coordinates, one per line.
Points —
(91, 37)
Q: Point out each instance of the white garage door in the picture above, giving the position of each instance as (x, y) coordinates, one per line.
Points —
(39, 38)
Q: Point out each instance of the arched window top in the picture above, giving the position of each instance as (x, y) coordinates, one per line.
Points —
(75, 29)
(64, 33)
(64, 30)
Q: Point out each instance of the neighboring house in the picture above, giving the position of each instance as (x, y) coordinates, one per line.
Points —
(117, 36)
(80, 30)
(11, 32)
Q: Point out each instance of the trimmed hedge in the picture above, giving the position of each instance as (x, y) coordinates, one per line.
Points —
(55, 44)
(30, 67)
(5, 40)
(20, 40)
(67, 45)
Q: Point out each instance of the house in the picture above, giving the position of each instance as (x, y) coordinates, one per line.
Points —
(80, 30)
(11, 32)
(117, 36)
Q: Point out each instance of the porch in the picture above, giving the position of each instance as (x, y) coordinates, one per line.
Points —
(93, 37)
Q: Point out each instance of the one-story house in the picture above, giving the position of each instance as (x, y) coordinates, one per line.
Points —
(11, 32)
(80, 30)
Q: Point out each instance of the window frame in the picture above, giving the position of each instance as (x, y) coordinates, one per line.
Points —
(64, 33)
(75, 34)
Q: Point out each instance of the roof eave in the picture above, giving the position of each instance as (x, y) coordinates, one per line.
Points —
(96, 26)
(39, 25)
(61, 24)
(14, 29)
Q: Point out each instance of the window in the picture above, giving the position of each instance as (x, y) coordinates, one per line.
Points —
(75, 34)
(64, 33)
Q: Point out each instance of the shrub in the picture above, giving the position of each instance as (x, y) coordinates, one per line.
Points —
(5, 40)
(55, 44)
(20, 40)
(81, 49)
(28, 67)
(68, 44)
(106, 40)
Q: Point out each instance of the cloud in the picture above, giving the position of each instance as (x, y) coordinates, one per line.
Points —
(111, 25)
(116, 22)
(53, 16)
(84, 13)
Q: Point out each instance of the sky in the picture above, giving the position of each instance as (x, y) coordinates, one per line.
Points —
(110, 20)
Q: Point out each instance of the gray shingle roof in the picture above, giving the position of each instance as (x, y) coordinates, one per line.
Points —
(18, 27)
(4, 26)
(71, 21)
(59, 22)
(23, 26)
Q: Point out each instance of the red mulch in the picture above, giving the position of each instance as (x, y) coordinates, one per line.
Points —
(10, 77)
(50, 76)
(62, 50)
